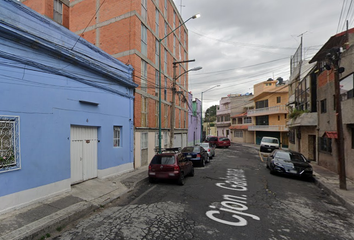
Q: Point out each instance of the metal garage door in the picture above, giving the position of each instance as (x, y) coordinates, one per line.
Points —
(83, 153)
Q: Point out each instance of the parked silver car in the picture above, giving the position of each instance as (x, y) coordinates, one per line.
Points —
(209, 148)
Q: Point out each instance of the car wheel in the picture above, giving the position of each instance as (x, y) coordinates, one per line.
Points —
(192, 172)
(202, 162)
(181, 179)
(271, 170)
(151, 180)
(208, 159)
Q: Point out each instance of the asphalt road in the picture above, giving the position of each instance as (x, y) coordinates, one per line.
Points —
(233, 197)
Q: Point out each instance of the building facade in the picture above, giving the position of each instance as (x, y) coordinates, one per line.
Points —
(240, 104)
(270, 114)
(223, 121)
(67, 112)
(302, 105)
(328, 152)
(194, 119)
(131, 31)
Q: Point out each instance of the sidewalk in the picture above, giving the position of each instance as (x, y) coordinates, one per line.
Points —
(329, 182)
(38, 219)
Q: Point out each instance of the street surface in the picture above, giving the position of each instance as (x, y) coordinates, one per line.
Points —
(233, 197)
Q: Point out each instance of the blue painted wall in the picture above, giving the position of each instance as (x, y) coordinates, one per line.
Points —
(44, 71)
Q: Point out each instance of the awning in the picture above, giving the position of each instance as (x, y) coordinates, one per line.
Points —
(239, 127)
(240, 115)
(331, 134)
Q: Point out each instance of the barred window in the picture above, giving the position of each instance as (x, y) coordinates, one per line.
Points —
(157, 19)
(144, 9)
(325, 144)
(58, 12)
(143, 76)
(238, 133)
(144, 140)
(116, 136)
(9, 143)
(143, 39)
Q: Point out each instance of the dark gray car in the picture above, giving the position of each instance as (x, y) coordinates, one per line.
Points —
(289, 162)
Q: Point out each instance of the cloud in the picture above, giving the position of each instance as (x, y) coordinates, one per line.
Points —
(240, 43)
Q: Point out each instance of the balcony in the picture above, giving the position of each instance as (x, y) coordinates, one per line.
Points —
(223, 124)
(269, 128)
(348, 116)
(305, 120)
(267, 111)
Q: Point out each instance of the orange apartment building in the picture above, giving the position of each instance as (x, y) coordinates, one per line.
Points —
(269, 117)
(130, 31)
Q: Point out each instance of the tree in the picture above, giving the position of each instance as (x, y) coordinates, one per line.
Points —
(210, 114)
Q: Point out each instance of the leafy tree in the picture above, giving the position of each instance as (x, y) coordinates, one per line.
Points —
(210, 114)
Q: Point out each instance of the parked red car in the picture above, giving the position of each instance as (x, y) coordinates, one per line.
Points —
(170, 164)
(223, 142)
(218, 141)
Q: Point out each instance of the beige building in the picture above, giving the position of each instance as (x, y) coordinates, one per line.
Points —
(269, 116)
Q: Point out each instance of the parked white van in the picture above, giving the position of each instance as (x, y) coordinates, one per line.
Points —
(268, 144)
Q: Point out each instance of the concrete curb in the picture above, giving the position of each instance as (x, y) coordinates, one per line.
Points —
(63, 217)
(332, 193)
(50, 222)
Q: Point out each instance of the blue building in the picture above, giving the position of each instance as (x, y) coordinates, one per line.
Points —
(66, 109)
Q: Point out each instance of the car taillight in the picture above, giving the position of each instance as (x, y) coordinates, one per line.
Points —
(175, 168)
(198, 155)
(149, 167)
(208, 150)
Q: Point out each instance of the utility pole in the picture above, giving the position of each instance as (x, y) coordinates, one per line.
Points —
(334, 57)
(174, 90)
(173, 107)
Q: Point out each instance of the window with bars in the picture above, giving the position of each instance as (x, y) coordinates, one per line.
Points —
(278, 99)
(9, 143)
(156, 139)
(117, 136)
(185, 39)
(157, 83)
(247, 120)
(165, 61)
(144, 114)
(156, 113)
(165, 90)
(144, 9)
(143, 76)
(166, 116)
(325, 144)
(238, 133)
(58, 11)
(174, 45)
(157, 45)
(143, 39)
(165, 138)
(157, 18)
(262, 104)
(166, 33)
(324, 106)
(144, 140)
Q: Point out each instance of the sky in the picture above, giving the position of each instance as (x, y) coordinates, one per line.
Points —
(240, 43)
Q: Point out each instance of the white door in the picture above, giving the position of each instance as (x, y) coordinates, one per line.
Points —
(83, 153)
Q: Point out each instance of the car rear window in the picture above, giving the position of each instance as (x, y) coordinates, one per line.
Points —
(224, 139)
(296, 157)
(165, 160)
(204, 145)
(270, 140)
(188, 149)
